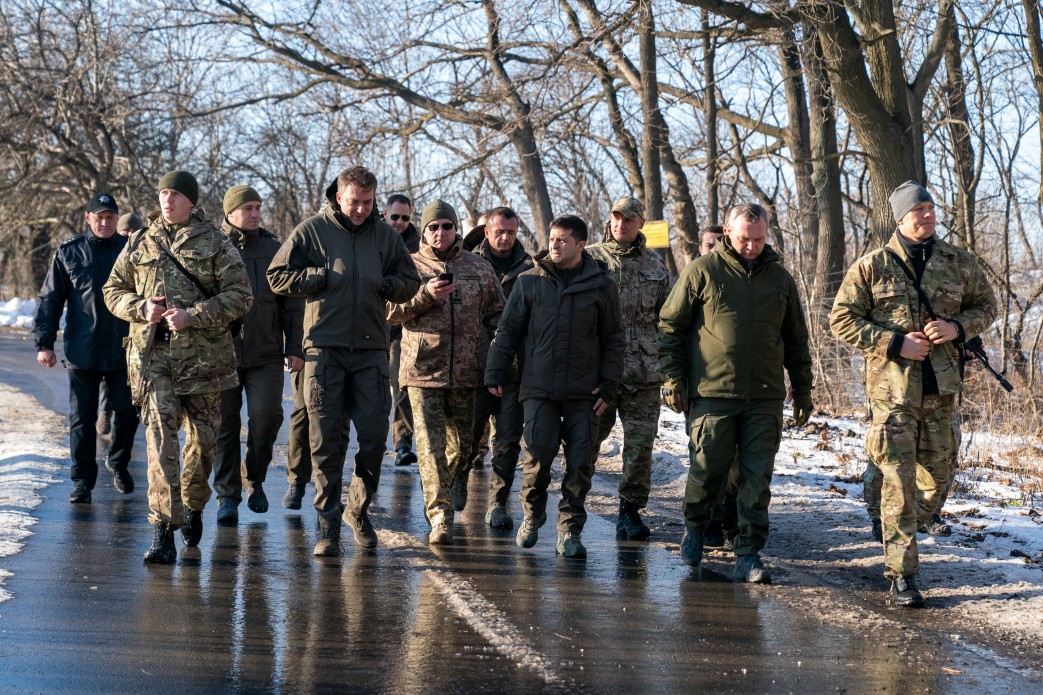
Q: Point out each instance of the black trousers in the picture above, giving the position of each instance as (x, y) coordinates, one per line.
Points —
(263, 387)
(84, 385)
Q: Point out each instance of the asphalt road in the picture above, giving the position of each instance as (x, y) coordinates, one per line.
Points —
(252, 611)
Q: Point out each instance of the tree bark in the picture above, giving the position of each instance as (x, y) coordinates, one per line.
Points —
(713, 196)
(959, 127)
(1035, 42)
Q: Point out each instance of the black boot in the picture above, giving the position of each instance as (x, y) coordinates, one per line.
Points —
(905, 594)
(714, 537)
(192, 531)
(692, 548)
(294, 496)
(329, 537)
(629, 524)
(162, 551)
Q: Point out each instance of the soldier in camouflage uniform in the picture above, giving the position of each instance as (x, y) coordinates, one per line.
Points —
(447, 328)
(643, 286)
(179, 352)
(912, 367)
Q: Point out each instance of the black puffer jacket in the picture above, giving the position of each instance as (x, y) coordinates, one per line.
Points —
(93, 337)
(568, 337)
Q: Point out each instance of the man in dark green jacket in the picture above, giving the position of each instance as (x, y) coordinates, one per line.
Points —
(347, 263)
(563, 323)
(271, 332)
(731, 324)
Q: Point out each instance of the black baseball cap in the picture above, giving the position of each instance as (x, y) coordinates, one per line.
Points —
(103, 202)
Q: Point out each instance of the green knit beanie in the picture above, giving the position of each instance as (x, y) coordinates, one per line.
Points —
(438, 210)
(237, 195)
(182, 182)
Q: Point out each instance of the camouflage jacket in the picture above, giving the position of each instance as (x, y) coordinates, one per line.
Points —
(445, 341)
(274, 326)
(729, 328)
(202, 355)
(878, 300)
(643, 285)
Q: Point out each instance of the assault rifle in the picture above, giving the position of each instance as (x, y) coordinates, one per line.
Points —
(976, 348)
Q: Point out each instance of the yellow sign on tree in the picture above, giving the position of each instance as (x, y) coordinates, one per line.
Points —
(657, 234)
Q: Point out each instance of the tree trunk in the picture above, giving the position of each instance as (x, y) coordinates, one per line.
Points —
(1035, 42)
(829, 256)
(960, 132)
(798, 141)
(713, 198)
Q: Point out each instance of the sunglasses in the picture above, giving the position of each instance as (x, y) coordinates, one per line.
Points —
(396, 218)
(446, 226)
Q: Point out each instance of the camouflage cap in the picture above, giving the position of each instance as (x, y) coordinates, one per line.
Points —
(629, 207)
(129, 223)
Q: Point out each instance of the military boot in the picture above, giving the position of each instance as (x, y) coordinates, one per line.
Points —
(692, 548)
(294, 496)
(529, 531)
(629, 524)
(365, 535)
(227, 511)
(441, 534)
(748, 568)
(571, 546)
(904, 592)
(404, 456)
(458, 491)
(162, 551)
(81, 494)
(192, 531)
(936, 527)
(257, 501)
(329, 537)
(497, 517)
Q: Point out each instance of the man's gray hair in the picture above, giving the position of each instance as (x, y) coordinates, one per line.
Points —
(751, 212)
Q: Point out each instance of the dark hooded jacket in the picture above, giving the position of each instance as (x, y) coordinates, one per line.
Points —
(411, 237)
(93, 337)
(568, 336)
(346, 273)
(274, 326)
(729, 326)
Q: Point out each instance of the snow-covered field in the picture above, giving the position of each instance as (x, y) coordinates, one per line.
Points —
(17, 313)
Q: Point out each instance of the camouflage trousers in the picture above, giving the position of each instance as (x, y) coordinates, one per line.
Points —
(442, 423)
(913, 448)
(872, 480)
(717, 428)
(639, 411)
(177, 478)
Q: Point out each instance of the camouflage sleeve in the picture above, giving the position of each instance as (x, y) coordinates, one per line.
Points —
(493, 303)
(234, 295)
(120, 290)
(675, 331)
(978, 308)
(851, 308)
(51, 303)
(510, 332)
(612, 343)
(289, 273)
(795, 338)
(401, 279)
(421, 303)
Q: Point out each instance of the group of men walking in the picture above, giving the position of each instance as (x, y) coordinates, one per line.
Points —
(375, 317)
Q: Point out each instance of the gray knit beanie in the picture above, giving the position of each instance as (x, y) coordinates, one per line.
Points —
(906, 197)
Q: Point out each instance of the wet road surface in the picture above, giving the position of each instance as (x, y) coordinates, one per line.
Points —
(251, 610)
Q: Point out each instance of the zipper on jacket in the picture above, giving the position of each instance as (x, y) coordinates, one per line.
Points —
(749, 343)
(355, 294)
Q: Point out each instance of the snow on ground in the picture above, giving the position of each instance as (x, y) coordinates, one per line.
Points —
(989, 573)
(31, 439)
(17, 313)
